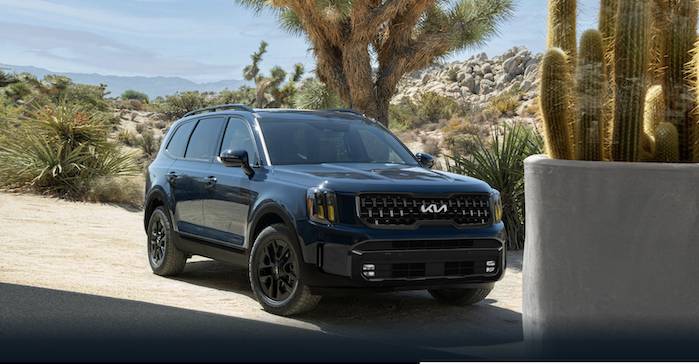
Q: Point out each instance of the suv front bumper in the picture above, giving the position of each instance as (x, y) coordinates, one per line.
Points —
(434, 257)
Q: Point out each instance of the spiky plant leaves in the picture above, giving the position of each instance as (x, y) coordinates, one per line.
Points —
(60, 148)
(500, 163)
(315, 95)
(297, 73)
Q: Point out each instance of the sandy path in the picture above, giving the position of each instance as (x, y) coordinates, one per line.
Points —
(99, 249)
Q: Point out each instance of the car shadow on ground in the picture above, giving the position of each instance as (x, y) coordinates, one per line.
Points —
(413, 318)
(39, 324)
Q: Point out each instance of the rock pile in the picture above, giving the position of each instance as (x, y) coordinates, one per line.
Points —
(478, 79)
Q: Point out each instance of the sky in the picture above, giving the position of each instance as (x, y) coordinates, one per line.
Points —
(200, 40)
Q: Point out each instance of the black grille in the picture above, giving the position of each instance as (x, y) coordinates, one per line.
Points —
(408, 270)
(458, 268)
(407, 211)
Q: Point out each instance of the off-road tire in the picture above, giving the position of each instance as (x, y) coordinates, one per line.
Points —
(275, 273)
(164, 258)
(459, 297)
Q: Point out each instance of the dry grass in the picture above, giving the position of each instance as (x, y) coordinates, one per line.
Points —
(120, 189)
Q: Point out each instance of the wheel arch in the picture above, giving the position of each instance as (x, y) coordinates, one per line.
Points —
(153, 200)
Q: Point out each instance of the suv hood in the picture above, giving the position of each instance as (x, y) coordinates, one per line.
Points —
(357, 177)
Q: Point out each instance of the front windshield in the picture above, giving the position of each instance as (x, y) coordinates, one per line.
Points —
(336, 141)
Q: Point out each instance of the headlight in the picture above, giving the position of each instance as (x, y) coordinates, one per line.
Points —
(322, 205)
(496, 204)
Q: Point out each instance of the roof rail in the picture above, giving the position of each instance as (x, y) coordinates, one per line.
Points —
(240, 107)
(345, 110)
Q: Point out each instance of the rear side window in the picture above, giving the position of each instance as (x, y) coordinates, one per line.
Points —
(178, 143)
(204, 138)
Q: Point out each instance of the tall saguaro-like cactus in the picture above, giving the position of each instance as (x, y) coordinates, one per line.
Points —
(590, 91)
(561, 34)
(555, 104)
(679, 33)
(631, 42)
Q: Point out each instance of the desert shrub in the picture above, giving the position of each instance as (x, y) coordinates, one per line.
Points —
(431, 146)
(118, 189)
(134, 95)
(315, 95)
(244, 95)
(124, 136)
(140, 127)
(453, 74)
(500, 163)
(177, 105)
(61, 149)
(147, 142)
(403, 116)
(506, 103)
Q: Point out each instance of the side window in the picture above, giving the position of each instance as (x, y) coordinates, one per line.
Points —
(203, 139)
(238, 136)
(178, 143)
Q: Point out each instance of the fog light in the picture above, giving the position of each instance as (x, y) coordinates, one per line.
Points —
(490, 269)
(369, 274)
(369, 267)
(490, 263)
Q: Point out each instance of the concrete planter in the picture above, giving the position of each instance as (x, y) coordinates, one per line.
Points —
(611, 259)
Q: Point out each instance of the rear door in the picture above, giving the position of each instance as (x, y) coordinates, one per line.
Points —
(187, 175)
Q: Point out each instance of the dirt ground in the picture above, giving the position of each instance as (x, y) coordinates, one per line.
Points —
(100, 249)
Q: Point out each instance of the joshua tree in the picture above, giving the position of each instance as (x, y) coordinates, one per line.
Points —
(271, 83)
(400, 36)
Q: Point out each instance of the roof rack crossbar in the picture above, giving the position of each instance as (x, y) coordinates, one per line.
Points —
(240, 107)
(346, 110)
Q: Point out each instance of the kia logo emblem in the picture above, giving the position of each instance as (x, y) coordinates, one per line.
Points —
(432, 208)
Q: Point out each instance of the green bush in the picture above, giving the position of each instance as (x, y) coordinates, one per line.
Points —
(60, 149)
(134, 95)
(243, 95)
(403, 116)
(177, 105)
(453, 74)
(147, 142)
(500, 163)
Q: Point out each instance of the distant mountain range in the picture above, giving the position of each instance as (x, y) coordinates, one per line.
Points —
(151, 86)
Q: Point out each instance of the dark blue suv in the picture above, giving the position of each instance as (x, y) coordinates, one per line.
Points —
(323, 202)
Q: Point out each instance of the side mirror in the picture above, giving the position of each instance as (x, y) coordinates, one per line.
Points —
(237, 158)
(425, 159)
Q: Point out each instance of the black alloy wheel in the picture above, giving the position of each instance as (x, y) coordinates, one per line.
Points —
(275, 274)
(164, 258)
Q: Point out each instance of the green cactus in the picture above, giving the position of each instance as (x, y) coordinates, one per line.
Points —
(653, 110)
(561, 29)
(667, 143)
(631, 42)
(607, 21)
(554, 101)
(590, 89)
(647, 152)
(679, 35)
(561, 34)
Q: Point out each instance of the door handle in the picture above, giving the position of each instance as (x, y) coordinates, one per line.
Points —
(172, 175)
(210, 181)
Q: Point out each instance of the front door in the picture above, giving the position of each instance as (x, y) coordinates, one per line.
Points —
(227, 195)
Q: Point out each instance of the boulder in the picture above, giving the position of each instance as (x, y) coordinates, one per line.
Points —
(469, 82)
(525, 85)
(481, 57)
(489, 76)
(486, 68)
(509, 66)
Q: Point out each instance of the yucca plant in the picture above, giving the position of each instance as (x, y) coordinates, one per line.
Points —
(500, 164)
(61, 149)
